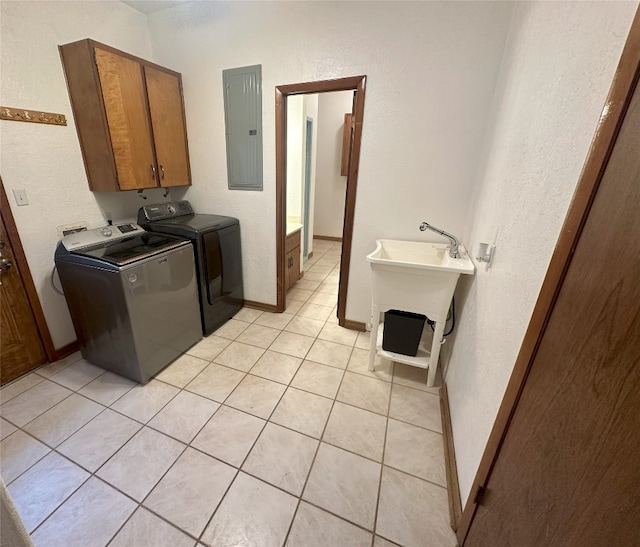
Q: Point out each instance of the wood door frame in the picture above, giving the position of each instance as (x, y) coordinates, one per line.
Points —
(358, 85)
(25, 274)
(616, 105)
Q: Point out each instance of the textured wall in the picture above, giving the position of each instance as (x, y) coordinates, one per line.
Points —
(311, 111)
(330, 185)
(553, 84)
(45, 160)
(431, 71)
(431, 67)
(295, 158)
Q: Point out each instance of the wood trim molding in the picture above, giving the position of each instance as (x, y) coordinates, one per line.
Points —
(328, 238)
(353, 83)
(346, 142)
(453, 488)
(622, 87)
(27, 280)
(281, 197)
(322, 86)
(355, 325)
(67, 350)
(260, 306)
(350, 200)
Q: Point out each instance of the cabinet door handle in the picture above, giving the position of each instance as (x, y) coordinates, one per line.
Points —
(153, 171)
(161, 172)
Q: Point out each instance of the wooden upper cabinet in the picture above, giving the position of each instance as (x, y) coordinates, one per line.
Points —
(127, 120)
(129, 114)
(165, 105)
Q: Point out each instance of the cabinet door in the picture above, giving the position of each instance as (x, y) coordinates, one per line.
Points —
(167, 121)
(295, 268)
(287, 271)
(126, 109)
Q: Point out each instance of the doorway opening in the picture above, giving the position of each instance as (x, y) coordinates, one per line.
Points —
(357, 85)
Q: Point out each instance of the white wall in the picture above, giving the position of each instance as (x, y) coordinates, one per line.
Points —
(431, 68)
(295, 157)
(553, 84)
(45, 160)
(299, 109)
(311, 112)
(330, 184)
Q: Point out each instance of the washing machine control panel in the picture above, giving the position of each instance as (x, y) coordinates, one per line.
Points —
(162, 211)
(73, 242)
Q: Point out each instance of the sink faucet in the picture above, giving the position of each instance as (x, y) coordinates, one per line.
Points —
(453, 249)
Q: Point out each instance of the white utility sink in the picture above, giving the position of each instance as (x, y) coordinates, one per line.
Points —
(418, 254)
(415, 274)
(417, 277)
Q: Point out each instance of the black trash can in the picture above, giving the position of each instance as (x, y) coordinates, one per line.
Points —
(402, 332)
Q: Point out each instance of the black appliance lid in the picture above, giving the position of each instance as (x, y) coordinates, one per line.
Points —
(191, 225)
(124, 251)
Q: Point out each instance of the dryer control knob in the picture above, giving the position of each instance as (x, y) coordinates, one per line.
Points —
(106, 231)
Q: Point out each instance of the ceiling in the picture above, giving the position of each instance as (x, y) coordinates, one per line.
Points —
(149, 6)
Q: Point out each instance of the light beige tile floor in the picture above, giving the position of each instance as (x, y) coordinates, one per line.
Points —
(271, 431)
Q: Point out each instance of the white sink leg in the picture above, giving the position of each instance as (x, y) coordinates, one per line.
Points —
(375, 322)
(435, 353)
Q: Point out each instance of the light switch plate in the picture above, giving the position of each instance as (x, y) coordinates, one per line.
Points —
(21, 197)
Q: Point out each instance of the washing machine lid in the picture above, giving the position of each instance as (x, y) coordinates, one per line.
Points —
(191, 226)
(178, 218)
(130, 249)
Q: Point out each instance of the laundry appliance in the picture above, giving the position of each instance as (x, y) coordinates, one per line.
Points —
(218, 255)
(132, 296)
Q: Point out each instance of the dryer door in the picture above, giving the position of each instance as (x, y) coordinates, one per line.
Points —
(212, 266)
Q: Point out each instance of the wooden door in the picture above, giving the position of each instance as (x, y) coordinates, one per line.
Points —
(169, 131)
(20, 346)
(125, 104)
(568, 471)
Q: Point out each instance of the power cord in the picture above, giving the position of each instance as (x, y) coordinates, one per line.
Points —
(451, 315)
(53, 285)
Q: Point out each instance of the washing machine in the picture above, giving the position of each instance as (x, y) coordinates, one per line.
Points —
(132, 295)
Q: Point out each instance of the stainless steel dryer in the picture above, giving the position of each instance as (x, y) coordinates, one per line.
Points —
(132, 296)
(216, 244)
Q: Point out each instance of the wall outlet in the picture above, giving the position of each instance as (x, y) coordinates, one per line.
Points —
(21, 197)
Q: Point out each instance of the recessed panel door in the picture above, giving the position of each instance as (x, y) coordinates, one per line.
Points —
(169, 132)
(129, 128)
(20, 344)
(568, 472)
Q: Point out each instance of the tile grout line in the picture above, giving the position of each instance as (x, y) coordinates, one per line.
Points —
(384, 453)
(94, 473)
(268, 420)
(239, 469)
(313, 461)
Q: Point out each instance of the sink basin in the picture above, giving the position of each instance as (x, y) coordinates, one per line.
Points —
(421, 255)
(416, 276)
